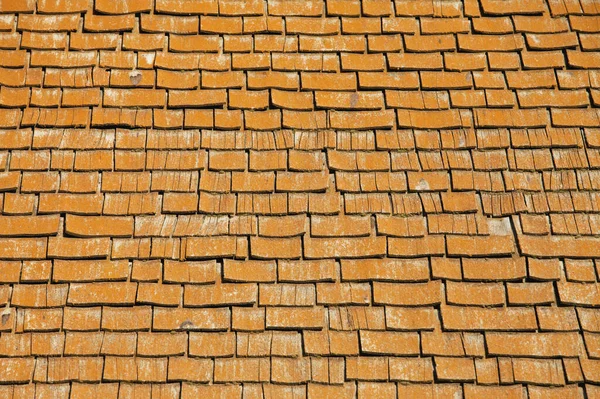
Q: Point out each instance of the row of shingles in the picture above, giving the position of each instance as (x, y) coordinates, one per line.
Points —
(298, 370)
(493, 142)
(349, 154)
(420, 150)
(361, 368)
(441, 345)
(555, 323)
(534, 378)
(77, 189)
(350, 62)
(317, 248)
(312, 32)
(109, 390)
(292, 102)
(114, 390)
(311, 391)
(312, 8)
(347, 292)
(277, 119)
(543, 169)
(365, 154)
(150, 272)
(310, 26)
(280, 8)
(431, 157)
(579, 271)
(403, 140)
(223, 88)
(358, 35)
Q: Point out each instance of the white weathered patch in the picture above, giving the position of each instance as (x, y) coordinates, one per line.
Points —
(500, 227)
(422, 185)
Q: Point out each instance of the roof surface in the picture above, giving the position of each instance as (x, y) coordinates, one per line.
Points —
(299, 199)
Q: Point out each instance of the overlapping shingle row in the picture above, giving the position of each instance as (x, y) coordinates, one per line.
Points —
(299, 199)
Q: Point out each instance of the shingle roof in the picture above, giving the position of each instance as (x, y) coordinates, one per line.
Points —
(299, 199)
